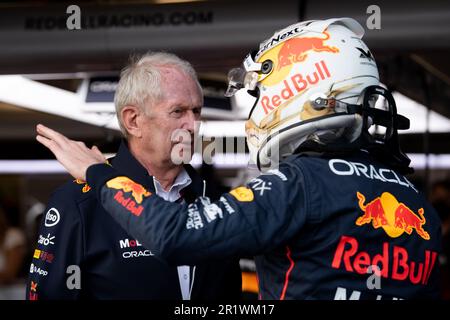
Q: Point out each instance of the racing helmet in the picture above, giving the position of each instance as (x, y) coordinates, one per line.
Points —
(304, 78)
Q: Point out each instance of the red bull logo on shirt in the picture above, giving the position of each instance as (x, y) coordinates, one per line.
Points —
(393, 262)
(393, 217)
(125, 185)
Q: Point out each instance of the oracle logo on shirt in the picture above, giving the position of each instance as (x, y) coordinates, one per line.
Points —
(130, 244)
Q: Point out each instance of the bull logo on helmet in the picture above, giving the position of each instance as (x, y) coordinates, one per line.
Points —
(296, 49)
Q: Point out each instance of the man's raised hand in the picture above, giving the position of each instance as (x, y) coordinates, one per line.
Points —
(73, 155)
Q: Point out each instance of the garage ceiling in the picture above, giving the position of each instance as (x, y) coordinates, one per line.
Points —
(412, 49)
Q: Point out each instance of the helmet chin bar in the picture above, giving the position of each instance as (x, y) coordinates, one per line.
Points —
(385, 148)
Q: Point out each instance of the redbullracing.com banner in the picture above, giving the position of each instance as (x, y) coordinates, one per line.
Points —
(123, 20)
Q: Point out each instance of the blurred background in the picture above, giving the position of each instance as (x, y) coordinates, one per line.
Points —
(66, 79)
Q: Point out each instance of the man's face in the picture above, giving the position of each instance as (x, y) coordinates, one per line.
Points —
(170, 125)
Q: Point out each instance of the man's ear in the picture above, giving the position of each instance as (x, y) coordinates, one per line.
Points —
(130, 119)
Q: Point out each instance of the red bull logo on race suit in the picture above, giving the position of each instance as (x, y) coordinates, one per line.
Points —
(393, 217)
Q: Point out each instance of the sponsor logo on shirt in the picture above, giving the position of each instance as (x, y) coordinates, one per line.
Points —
(43, 255)
(86, 187)
(394, 217)
(137, 254)
(392, 261)
(39, 271)
(242, 194)
(261, 185)
(33, 286)
(194, 219)
(127, 243)
(132, 243)
(348, 168)
(45, 241)
(227, 205)
(211, 210)
(126, 185)
(52, 217)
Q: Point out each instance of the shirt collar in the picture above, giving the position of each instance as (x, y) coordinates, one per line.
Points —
(181, 181)
(125, 162)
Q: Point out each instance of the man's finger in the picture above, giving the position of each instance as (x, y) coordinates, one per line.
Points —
(46, 142)
(97, 151)
(80, 144)
(51, 134)
(51, 145)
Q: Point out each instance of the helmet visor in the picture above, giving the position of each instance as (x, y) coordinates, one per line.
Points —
(246, 76)
(239, 78)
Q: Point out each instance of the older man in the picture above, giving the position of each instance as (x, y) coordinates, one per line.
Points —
(82, 252)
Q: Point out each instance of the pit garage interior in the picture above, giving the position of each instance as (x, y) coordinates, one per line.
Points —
(66, 79)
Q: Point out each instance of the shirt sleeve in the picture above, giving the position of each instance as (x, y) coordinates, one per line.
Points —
(248, 220)
(59, 246)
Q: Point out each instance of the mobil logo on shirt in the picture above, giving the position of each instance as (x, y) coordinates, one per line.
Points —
(131, 244)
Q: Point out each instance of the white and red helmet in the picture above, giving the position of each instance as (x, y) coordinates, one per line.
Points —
(304, 76)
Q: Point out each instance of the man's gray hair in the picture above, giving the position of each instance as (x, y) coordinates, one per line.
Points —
(140, 80)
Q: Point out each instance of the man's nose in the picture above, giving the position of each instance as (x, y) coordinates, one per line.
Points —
(190, 122)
